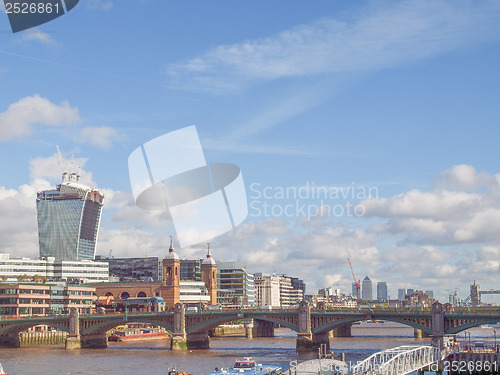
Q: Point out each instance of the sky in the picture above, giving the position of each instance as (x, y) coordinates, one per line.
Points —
(364, 129)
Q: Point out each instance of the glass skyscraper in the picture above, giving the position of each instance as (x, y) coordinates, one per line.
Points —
(68, 221)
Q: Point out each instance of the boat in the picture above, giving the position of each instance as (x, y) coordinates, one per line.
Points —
(132, 334)
(248, 366)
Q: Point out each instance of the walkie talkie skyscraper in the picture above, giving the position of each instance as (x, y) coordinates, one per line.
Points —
(68, 219)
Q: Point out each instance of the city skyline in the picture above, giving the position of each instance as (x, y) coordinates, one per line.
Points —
(362, 130)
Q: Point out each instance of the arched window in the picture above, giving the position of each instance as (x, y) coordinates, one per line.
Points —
(169, 271)
(176, 271)
(124, 295)
(141, 294)
(109, 294)
(213, 275)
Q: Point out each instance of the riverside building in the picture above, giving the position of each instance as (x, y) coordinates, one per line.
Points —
(35, 299)
(81, 271)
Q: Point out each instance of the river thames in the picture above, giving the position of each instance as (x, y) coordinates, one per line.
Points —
(155, 357)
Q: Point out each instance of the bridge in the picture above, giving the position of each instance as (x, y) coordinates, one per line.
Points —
(191, 329)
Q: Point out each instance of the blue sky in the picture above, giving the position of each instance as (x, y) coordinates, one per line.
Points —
(397, 96)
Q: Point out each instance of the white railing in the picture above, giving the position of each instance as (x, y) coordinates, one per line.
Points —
(397, 361)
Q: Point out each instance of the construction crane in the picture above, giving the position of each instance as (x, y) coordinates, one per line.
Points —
(357, 282)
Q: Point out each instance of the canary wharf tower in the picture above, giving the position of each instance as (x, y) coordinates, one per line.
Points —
(68, 220)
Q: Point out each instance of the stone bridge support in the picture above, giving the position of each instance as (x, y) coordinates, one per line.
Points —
(304, 333)
(342, 331)
(73, 340)
(10, 340)
(262, 328)
(321, 338)
(197, 340)
(437, 325)
(179, 339)
(97, 341)
(249, 327)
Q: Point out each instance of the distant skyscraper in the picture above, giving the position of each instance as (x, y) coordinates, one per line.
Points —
(367, 289)
(382, 291)
(401, 294)
(68, 220)
(430, 293)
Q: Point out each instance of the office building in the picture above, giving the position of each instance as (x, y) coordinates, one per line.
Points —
(147, 269)
(367, 289)
(233, 280)
(382, 291)
(276, 291)
(68, 220)
(299, 284)
(191, 269)
(401, 294)
(35, 299)
(50, 269)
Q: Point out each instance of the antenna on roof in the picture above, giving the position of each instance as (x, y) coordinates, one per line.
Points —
(62, 165)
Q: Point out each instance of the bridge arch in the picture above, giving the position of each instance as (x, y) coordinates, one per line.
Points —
(468, 325)
(215, 321)
(106, 325)
(342, 322)
(23, 326)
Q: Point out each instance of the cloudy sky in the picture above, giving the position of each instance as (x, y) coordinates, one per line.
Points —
(362, 129)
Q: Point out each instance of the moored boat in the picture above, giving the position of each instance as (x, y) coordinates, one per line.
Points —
(131, 334)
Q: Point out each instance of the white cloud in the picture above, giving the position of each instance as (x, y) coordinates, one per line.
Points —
(20, 118)
(102, 136)
(51, 169)
(465, 177)
(383, 36)
(39, 36)
(469, 213)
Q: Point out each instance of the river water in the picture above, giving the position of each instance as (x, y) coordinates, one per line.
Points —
(155, 358)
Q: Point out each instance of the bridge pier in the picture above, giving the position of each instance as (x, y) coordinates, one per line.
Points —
(99, 341)
(321, 338)
(73, 340)
(262, 328)
(178, 340)
(305, 341)
(249, 327)
(10, 340)
(198, 340)
(418, 333)
(342, 331)
(438, 329)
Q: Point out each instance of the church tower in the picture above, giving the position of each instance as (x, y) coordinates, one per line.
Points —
(209, 276)
(171, 290)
